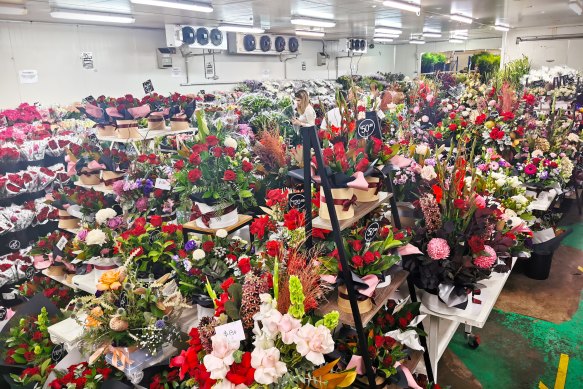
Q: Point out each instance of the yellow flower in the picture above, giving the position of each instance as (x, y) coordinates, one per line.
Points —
(38, 349)
(111, 279)
(92, 318)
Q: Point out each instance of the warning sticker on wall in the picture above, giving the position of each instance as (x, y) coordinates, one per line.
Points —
(87, 60)
(28, 76)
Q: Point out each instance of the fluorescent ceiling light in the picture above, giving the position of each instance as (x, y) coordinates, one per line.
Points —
(576, 7)
(9, 9)
(500, 27)
(402, 5)
(387, 30)
(432, 35)
(454, 40)
(188, 6)
(381, 35)
(241, 28)
(313, 22)
(461, 18)
(92, 16)
(317, 34)
(417, 41)
(383, 40)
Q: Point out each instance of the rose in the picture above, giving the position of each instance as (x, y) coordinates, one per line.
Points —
(178, 165)
(194, 175)
(313, 342)
(368, 257)
(288, 327)
(247, 166)
(218, 361)
(476, 244)
(217, 152)
(244, 264)
(268, 367)
(156, 220)
(208, 246)
(428, 173)
(273, 248)
(96, 237)
(212, 140)
(229, 175)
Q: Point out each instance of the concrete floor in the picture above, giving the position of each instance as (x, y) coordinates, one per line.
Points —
(533, 323)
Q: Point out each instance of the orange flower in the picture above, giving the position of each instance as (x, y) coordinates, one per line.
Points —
(111, 280)
(93, 317)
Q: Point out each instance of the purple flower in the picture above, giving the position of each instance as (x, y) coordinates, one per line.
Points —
(147, 186)
(190, 245)
(81, 235)
(544, 175)
(118, 187)
(430, 161)
(142, 204)
(115, 222)
(160, 324)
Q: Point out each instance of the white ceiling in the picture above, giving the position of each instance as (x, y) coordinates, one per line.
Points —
(354, 18)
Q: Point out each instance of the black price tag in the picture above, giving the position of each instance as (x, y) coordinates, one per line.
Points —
(14, 244)
(90, 99)
(371, 231)
(123, 300)
(297, 201)
(58, 353)
(148, 87)
(3, 313)
(153, 236)
(29, 272)
(369, 126)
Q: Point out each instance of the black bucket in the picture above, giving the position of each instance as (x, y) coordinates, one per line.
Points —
(539, 266)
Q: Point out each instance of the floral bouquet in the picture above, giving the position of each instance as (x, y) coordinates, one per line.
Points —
(545, 171)
(159, 110)
(181, 110)
(216, 173)
(25, 113)
(59, 294)
(81, 375)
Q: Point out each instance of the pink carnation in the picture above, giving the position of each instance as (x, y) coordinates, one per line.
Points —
(486, 261)
(438, 248)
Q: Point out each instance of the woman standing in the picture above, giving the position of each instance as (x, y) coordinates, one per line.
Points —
(306, 113)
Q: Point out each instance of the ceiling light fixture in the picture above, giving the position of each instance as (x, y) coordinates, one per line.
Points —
(576, 7)
(402, 5)
(461, 18)
(417, 41)
(432, 35)
(187, 6)
(501, 27)
(312, 22)
(317, 34)
(383, 40)
(454, 40)
(9, 9)
(383, 35)
(460, 37)
(387, 30)
(241, 28)
(92, 16)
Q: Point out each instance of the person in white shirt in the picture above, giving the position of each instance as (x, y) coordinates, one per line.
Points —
(307, 114)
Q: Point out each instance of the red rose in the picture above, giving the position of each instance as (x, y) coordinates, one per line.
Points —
(357, 261)
(29, 356)
(217, 152)
(369, 257)
(156, 220)
(142, 158)
(362, 165)
(438, 135)
(247, 166)
(379, 341)
(178, 165)
(452, 115)
(476, 244)
(37, 336)
(229, 151)
(212, 140)
(227, 283)
(208, 246)
(459, 204)
(244, 265)
(273, 248)
(452, 127)
(229, 175)
(194, 159)
(356, 245)
(194, 175)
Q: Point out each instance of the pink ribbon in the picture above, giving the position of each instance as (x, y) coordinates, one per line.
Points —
(410, 380)
(94, 165)
(372, 281)
(40, 263)
(408, 249)
(94, 111)
(139, 112)
(113, 112)
(359, 182)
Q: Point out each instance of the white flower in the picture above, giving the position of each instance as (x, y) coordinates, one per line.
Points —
(421, 149)
(425, 118)
(187, 265)
(103, 215)
(262, 339)
(514, 181)
(268, 368)
(226, 384)
(288, 326)
(428, 173)
(198, 254)
(313, 342)
(218, 361)
(361, 116)
(509, 213)
(221, 233)
(573, 137)
(96, 237)
(230, 142)
(537, 153)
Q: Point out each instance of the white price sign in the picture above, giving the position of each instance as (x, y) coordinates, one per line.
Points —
(232, 331)
(162, 184)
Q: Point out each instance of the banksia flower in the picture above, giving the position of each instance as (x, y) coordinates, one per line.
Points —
(206, 330)
(431, 212)
(250, 302)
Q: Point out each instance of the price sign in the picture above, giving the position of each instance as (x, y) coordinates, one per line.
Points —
(90, 99)
(163, 184)
(369, 126)
(3, 313)
(58, 353)
(371, 231)
(148, 87)
(123, 300)
(29, 272)
(232, 331)
(297, 201)
(14, 244)
(153, 235)
(62, 243)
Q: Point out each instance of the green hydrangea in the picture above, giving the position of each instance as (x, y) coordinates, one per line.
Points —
(297, 297)
(331, 320)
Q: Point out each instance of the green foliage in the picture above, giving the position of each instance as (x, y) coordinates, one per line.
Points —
(430, 60)
(512, 72)
(486, 64)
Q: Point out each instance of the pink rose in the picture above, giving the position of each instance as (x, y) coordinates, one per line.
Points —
(480, 202)
(221, 358)
(268, 367)
(288, 327)
(313, 342)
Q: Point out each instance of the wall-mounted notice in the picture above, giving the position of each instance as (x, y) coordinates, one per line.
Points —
(176, 72)
(87, 60)
(28, 76)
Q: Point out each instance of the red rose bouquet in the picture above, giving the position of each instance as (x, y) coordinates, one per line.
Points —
(81, 376)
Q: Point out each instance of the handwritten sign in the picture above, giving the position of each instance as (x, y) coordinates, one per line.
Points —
(297, 201)
(369, 126)
(148, 86)
(123, 300)
(162, 183)
(58, 353)
(29, 272)
(371, 232)
(14, 244)
(153, 236)
(232, 331)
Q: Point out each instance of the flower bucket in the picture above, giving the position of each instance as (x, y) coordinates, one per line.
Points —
(179, 123)
(364, 303)
(433, 303)
(156, 123)
(105, 130)
(90, 177)
(67, 221)
(209, 216)
(372, 194)
(406, 212)
(109, 178)
(343, 203)
(128, 129)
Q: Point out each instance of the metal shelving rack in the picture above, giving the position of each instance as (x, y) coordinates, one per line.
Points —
(311, 142)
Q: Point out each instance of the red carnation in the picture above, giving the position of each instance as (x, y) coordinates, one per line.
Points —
(452, 127)
(194, 159)
(217, 152)
(208, 246)
(178, 165)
